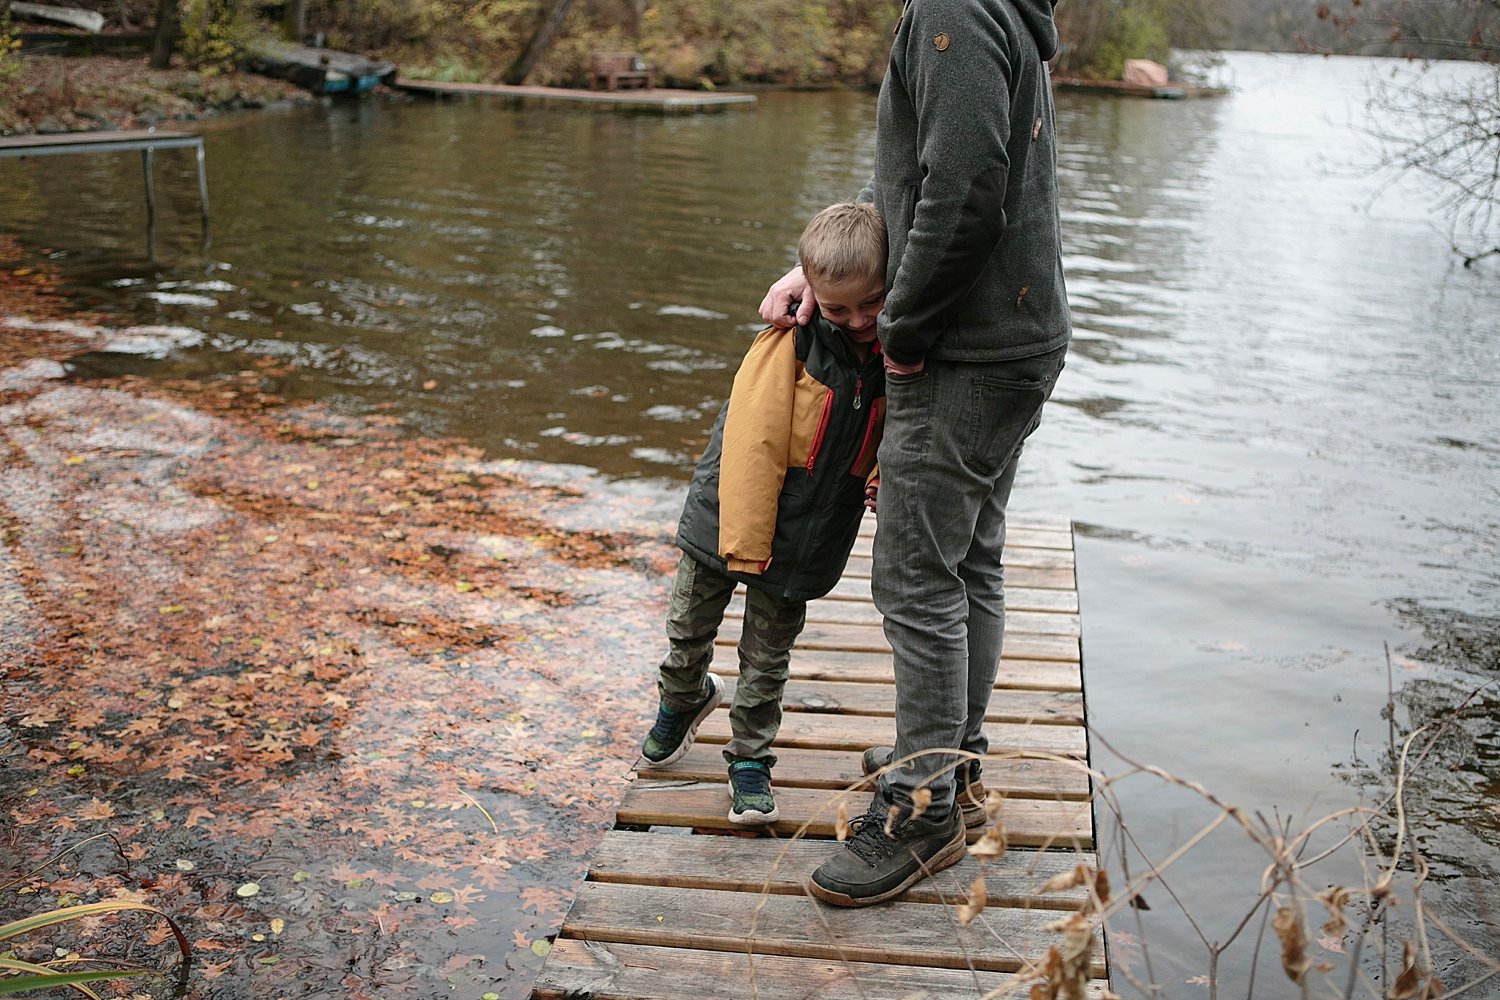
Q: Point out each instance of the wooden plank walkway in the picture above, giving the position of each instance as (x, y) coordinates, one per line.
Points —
(679, 903)
(656, 99)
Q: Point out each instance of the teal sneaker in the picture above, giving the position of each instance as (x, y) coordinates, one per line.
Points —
(750, 789)
(672, 736)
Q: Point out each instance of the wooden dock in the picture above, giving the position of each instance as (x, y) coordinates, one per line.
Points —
(144, 141)
(658, 99)
(677, 907)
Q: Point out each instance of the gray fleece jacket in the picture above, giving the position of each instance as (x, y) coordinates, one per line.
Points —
(965, 178)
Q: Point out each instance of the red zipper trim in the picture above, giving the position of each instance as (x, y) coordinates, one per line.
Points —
(864, 445)
(817, 441)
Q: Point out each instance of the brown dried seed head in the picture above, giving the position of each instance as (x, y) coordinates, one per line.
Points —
(1288, 926)
(974, 905)
(890, 821)
(920, 800)
(991, 845)
(841, 822)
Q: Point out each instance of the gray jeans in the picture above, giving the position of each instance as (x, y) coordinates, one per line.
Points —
(700, 594)
(953, 436)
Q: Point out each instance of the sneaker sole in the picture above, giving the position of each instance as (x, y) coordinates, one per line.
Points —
(713, 702)
(974, 815)
(754, 817)
(950, 855)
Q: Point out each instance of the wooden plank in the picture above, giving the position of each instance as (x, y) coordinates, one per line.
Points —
(1024, 777)
(859, 732)
(918, 934)
(849, 698)
(599, 970)
(1015, 538)
(1014, 521)
(856, 580)
(1015, 670)
(850, 607)
(858, 615)
(870, 639)
(768, 864)
(1055, 559)
(1055, 825)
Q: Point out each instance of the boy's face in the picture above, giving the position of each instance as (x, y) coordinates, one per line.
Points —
(851, 305)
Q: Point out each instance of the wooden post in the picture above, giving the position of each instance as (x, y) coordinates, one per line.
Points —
(551, 24)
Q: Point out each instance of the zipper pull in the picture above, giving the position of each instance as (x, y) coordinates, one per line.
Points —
(859, 388)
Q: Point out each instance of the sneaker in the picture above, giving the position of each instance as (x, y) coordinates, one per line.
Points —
(874, 867)
(750, 788)
(970, 792)
(673, 733)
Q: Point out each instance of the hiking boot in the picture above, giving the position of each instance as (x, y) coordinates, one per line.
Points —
(874, 867)
(673, 733)
(750, 788)
(969, 794)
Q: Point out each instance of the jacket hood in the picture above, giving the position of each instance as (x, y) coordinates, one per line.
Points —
(1038, 17)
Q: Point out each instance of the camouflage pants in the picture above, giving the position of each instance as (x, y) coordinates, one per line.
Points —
(699, 596)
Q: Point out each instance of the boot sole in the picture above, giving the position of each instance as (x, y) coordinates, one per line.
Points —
(949, 856)
(713, 702)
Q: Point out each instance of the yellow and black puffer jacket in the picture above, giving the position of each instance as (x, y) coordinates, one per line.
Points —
(777, 496)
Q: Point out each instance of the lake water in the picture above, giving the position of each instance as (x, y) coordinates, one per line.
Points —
(1279, 430)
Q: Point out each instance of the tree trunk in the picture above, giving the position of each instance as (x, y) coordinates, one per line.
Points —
(294, 21)
(550, 25)
(638, 15)
(167, 28)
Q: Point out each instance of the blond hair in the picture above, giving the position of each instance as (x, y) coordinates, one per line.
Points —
(844, 243)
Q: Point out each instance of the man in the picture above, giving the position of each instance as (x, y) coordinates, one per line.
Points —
(974, 332)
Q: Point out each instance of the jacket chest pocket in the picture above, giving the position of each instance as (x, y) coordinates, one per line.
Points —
(811, 404)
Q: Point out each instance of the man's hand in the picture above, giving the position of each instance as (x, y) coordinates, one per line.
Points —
(870, 493)
(897, 368)
(776, 307)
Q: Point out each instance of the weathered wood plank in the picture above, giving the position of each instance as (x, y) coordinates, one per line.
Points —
(705, 804)
(1024, 777)
(871, 639)
(856, 580)
(1014, 521)
(857, 615)
(601, 970)
(766, 864)
(848, 732)
(1016, 671)
(851, 698)
(1017, 558)
(1015, 538)
(899, 933)
(861, 608)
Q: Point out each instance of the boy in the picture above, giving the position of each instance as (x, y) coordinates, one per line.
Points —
(775, 504)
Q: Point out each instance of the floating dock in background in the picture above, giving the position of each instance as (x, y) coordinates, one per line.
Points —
(677, 907)
(657, 99)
